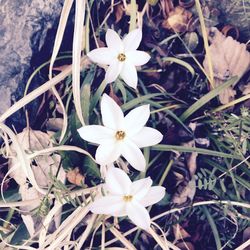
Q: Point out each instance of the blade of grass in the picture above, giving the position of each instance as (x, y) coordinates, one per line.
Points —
(139, 100)
(121, 238)
(206, 98)
(194, 58)
(133, 11)
(232, 103)
(37, 92)
(77, 48)
(58, 40)
(205, 40)
(162, 147)
(60, 31)
(213, 227)
(180, 62)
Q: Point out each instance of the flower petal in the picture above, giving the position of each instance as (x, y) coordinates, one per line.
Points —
(112, 115)
(113, 71)
(114, 41)
(129, 74)
(108, 152)
(102, 55)
(132, 40)
(110, 205)
(147, 137)
(117, 182)
(138, 215)
(96, 133)
(136, 119)
(141, 187)
(133, 155)
(154, 195)
(137, 57)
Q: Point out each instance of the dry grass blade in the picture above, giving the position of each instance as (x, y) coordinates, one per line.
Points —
(77, 47)
(66, 227)
(244, 245)
(58, 40)
(87, 231)
(60, 31)
(205, 39)
(133, 12)
(37, 92)
(122, 239)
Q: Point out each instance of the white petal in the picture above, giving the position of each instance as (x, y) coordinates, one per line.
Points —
(137, 57)
(136, 119)
(96, 133)
(132, 40)
(141, 187)
(133, 155)
(147, 137)
(117, 182)
(114, 41)
(102, 55)
(138, 215)
(154, 195)
(108, 152)
(129, 74)
(110, 205)
(112, 115)
(113, 71)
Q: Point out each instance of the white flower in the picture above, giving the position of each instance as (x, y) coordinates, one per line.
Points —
(128, 198)
(122, 56)
(121, 135)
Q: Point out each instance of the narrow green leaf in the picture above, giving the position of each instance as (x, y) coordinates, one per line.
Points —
(206, 98)
(163, 147)
(138, 100)
(213, 227)
(180, 62)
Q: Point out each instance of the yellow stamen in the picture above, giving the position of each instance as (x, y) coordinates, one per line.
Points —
(127, 198)
(120, 135)
(121, 57)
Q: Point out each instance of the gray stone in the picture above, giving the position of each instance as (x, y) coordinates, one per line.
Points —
(24, 26)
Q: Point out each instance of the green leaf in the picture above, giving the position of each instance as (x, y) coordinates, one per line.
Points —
(131, 104)
(163, 147)
(206, 98)
(85, 95)
(20, 235)
(90, 168)
(180, 62)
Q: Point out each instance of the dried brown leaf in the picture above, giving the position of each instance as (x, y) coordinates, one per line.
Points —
(119, 12)
(75, 177)
(229, 58)
(178, 20)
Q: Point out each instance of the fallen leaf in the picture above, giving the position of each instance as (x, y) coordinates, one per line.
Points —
(185, 192)
(229, 58)
(178, 20)
(75, 177)
(43, 167)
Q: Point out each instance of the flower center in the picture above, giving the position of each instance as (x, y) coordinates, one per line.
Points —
(127, 198)
(120, 135)
(121, 57)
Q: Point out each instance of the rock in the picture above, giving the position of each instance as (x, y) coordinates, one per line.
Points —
(25, 27)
